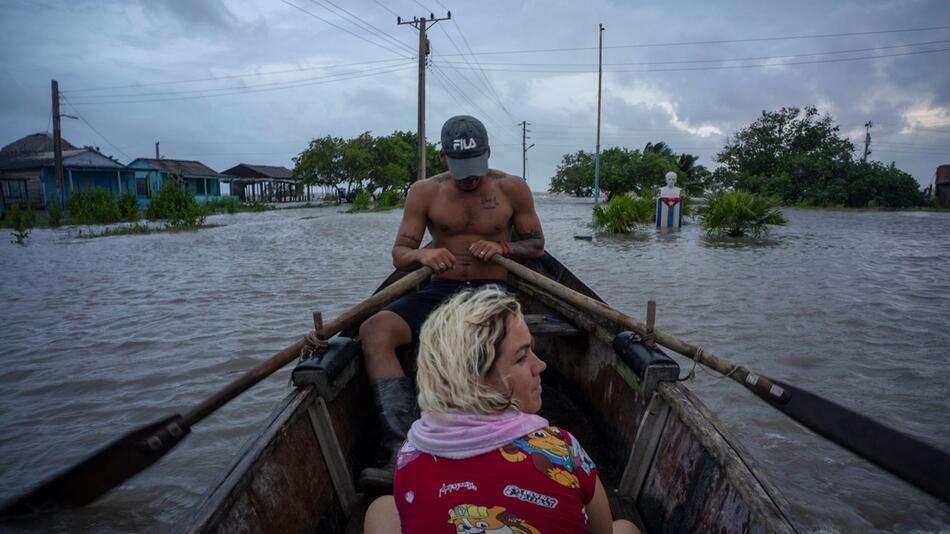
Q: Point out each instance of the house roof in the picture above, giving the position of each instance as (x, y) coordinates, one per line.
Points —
(246, 170)
(182, 167)
(36, 151)
(31, 144)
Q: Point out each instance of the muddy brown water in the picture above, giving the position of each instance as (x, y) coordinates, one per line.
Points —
(100, 335)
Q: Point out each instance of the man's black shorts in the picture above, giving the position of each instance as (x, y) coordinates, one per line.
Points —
(415, 308)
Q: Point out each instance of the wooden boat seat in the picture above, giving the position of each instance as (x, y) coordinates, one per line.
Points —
(550, 325)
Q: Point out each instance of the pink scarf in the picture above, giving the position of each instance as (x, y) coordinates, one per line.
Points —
(458, 436)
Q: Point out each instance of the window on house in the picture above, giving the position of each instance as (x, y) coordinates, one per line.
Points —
(15, 190)
(141, 187)
(199, 186)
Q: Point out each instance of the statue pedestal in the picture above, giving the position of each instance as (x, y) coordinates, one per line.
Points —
(669, 212)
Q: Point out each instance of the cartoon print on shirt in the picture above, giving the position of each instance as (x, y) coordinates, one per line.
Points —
(474, 519)
(407, 453)
(551, 455)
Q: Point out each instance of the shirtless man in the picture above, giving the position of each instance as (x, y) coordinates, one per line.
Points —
(470, 212)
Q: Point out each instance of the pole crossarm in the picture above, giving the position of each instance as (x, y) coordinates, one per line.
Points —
(421, 24)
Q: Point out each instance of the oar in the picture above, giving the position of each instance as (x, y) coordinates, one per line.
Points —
(125, 457)
(909, 458)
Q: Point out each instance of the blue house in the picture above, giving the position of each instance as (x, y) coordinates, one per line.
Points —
(29, 171)
(151, 174)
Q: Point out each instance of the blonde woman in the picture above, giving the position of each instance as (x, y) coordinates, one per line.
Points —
(480, 459)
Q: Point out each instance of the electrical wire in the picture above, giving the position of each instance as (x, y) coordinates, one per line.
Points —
(719, 41)
(318, 17)
(93, 128)
(364, 25)
(295, 85)
(75, 92)
(212, 91)
(719, 60)
(721, 67)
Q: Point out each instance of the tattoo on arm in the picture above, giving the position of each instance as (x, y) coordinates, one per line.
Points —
(411, 238)
(531, 245)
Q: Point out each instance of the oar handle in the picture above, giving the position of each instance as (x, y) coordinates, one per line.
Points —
(757, 383)
(347, 319)
(915, 461)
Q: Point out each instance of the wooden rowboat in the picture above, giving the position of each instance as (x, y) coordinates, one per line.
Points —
(669, 462)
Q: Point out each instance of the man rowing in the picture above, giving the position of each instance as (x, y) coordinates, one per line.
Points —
(471, 212)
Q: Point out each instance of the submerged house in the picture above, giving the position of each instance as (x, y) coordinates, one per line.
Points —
(28, 171)
(264, 182)
(200, 179)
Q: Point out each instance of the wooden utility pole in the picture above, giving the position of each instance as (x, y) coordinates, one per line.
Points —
(524, 150)
(600, 74)
(867, 140)
(422, 24)
(57, 142)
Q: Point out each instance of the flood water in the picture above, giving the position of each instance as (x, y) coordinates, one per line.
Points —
(101, 335)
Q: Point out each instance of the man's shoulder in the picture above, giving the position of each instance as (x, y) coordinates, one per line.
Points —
(510, 184)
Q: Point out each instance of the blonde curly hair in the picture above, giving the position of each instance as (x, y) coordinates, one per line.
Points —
(458, 345)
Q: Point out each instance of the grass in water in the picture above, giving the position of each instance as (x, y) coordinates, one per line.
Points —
(142, 228)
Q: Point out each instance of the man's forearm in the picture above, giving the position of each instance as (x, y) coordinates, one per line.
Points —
(404, 258)
(532, 247)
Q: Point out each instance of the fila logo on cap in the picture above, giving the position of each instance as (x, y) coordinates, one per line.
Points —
(463, 144)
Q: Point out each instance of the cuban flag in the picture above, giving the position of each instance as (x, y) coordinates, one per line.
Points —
(669, 212)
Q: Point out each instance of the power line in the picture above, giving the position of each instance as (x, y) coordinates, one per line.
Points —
(93, 128)
(720, 60)
(211, 91)
(321, 81)
(488, 82)
(382, 5)
(318, 17)
(720, 67)
(364, 25)
(230, 76)
(709, 42)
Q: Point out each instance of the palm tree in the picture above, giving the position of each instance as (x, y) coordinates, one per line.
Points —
(736, 212)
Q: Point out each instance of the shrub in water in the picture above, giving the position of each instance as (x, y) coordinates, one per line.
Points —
(361, 202)
(175, 205)
(389, 198)
(77, 206)
(55, 214)
(223, 204)
(22, 219)
(129, 207)
(102, 207)
(623, 213)
(736, 212)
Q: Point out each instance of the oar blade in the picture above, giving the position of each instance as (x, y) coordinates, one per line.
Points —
(100, 472)
(909, 458)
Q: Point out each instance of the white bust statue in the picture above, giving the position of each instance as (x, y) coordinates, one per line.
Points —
(670, 191)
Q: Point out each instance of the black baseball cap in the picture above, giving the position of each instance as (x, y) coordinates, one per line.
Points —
(465, 143)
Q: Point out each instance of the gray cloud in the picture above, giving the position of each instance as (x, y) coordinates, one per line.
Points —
(95, 44)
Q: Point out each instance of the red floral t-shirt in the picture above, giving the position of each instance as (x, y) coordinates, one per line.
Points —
(539, 483)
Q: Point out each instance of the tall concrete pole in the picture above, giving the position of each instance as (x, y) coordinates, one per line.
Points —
(57, 142)
(422, 24)
(600, 74)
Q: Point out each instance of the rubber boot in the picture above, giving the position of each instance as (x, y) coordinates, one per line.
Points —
(396, 405)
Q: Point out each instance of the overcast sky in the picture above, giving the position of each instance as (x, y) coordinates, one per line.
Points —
(271, 75)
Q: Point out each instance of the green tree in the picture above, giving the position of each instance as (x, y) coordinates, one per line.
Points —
(795, 149)
(574, 175)
(320, 163)
(356, 161)
(393, 162)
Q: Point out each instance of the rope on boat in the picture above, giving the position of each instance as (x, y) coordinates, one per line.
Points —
(692, 372)
(312, 343)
